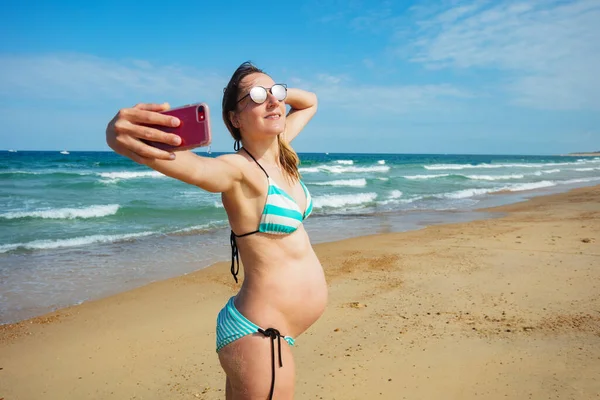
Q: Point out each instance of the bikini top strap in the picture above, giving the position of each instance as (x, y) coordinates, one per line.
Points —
(257, 163)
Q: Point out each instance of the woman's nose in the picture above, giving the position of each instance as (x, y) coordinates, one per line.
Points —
(271, 98)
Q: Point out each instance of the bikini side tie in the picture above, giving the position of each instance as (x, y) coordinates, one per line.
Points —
(273, 334)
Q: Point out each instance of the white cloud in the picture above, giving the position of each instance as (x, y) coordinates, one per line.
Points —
(81, 77)
(548, 50)
(330, 79)
(85, 79)
(343, 92)
(369, 63)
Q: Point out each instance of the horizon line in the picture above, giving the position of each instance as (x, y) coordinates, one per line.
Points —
(580, 154)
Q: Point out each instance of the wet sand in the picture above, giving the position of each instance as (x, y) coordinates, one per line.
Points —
(499, 308)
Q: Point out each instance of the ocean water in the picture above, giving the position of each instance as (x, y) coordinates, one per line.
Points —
(85, 225)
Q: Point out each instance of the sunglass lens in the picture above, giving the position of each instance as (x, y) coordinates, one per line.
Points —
(258, 94)
(279, 91)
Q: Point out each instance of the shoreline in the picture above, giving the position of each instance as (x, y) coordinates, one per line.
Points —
(212, 249)
(133, 224)
(387, 222)
(465, 296)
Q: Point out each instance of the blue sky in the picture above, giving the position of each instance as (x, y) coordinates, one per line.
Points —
(491, 77)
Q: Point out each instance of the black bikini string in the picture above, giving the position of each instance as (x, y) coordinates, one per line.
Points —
(235, 254)
(234, 257)
(273, 334)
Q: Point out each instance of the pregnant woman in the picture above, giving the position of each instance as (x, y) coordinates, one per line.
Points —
(284, 290)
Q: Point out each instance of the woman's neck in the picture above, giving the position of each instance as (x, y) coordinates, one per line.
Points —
(267, 152)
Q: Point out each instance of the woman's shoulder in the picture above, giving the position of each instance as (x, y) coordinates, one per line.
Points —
(252, 176)
(234, 159)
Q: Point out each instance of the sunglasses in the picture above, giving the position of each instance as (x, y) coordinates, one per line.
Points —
(259, 95)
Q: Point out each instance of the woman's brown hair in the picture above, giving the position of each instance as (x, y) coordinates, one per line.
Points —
(287, 156)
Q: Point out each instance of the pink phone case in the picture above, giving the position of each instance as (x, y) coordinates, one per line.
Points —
(194, 128)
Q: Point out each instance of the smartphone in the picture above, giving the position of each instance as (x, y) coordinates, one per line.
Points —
(194, 127)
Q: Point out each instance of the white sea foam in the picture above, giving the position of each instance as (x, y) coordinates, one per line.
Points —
(580, 180)
(342, 169)
(343, 182)
(495, 177)
(192, 228)
(488, 166)
(588, 160)
(192, 194)
(529, 186)
(343, 200)
(73, 242)
(203, 227)
(336, 169)
(123, 175)
(422, 177)
(548, 171)
(404, 201)
(345, 162)
(308, 170)
(585, 169)
(381, 162)
(46, 172)
(20, 172)
(395, 194)
(392, 198)
(466, 193)
(436, 167)
(66, 213)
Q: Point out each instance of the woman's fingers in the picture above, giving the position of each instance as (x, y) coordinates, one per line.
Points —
(127, 137)
(142, 121)
(143, 115)
(146, 132)
(141, 159)
(138, 159)
(148, 117)
(152, 106)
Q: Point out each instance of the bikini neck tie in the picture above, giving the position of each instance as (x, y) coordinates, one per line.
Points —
(273, 334)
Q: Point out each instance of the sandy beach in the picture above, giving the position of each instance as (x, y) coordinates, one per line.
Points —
(504, 308)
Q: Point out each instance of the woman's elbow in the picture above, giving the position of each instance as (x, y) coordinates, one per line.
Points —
(315, 99)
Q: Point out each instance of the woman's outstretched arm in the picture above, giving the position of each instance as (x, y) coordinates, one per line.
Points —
(303, 107)
(128, 127)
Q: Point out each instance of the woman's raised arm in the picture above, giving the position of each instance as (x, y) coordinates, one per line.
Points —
(125, 131)
(304, 107)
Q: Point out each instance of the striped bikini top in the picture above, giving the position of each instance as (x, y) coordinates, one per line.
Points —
(281, 215)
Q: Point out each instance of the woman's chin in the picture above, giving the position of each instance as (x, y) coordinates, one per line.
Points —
(274, 129)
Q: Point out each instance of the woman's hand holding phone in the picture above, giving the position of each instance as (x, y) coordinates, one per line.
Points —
(126, 130)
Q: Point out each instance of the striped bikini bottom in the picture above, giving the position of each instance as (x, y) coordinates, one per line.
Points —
(232, 325)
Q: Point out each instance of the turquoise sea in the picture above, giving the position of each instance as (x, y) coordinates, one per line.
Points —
(86, 225)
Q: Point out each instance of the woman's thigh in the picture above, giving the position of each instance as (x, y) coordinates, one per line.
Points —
(248, 365)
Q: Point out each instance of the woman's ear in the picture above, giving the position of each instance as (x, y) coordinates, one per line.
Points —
(234, 120)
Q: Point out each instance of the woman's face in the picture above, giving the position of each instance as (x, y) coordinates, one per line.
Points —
(257, 120)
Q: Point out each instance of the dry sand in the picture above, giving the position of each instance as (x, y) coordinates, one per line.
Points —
(506, 308)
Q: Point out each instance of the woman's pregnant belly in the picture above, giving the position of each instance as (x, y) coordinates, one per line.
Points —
(284, 286)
